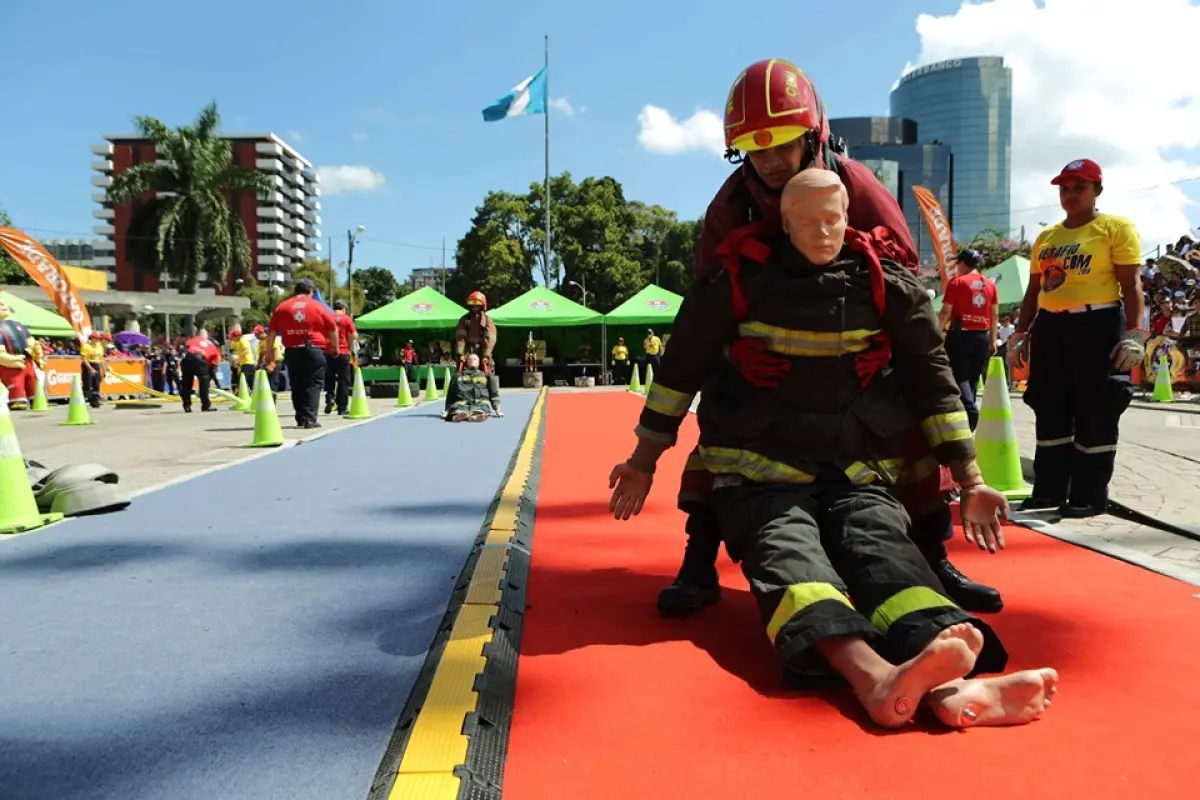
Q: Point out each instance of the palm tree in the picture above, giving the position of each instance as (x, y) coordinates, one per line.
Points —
(188, 229)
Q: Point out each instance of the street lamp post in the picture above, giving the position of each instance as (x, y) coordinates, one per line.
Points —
(351, 239)
(582, 288)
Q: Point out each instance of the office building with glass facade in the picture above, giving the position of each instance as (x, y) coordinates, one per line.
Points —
(966, 105)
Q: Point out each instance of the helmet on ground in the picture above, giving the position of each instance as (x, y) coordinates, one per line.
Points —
(970, 257)
(772, 102)
(477, 299)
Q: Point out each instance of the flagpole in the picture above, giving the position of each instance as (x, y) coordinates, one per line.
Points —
(546, 99)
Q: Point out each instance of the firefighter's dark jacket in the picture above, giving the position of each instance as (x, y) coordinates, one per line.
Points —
(820, 416)
(473, 388)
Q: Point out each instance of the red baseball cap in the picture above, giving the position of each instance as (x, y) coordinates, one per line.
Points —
(1084, 170)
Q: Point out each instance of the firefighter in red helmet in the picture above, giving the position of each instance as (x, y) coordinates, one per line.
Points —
(476, 333)
(775, 126)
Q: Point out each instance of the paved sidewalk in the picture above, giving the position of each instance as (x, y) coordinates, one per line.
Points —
(1158, 474)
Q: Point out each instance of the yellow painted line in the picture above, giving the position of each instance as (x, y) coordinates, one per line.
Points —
(437, 744)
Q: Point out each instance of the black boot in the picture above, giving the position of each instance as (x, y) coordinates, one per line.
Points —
(696, 585)
(930, 532)
(969, 595)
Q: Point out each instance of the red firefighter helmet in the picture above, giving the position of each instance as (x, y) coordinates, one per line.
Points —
(477, 299)
(772, 102)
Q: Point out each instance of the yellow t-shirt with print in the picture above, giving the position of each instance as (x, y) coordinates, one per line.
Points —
(244, 352)
(92, 352)
(1075, 265)
(652, 345)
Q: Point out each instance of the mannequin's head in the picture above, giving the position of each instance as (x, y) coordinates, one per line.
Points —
(813, 208)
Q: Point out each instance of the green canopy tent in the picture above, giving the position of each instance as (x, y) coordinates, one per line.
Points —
(424, 309)
(541, 308)
(653, 305)
(39, 321)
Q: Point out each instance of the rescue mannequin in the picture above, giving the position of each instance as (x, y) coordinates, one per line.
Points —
(473, 396)
(804, 470)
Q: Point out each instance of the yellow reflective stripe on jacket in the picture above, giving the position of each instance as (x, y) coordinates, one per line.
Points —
(667, 402)
(752, 466)
(906, 601)
(798, 597)
(885, 469)
(942, 428)
(479, 379)
(694, 463)
(788, 342)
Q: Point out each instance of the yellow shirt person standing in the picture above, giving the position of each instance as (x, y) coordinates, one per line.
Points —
(1083, 307)
(91, 373)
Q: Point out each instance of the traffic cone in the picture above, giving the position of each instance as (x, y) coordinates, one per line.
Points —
(39, 396)
(242, 399)
(649, 378)
(260, 376)
(996, 449)
(267, 431)
(77, 409)
(1163, 391)
(980, 387)
(445, 382)
(359, 408)
(18, 509)
(431, 394)
(404, 396)
(635, 382)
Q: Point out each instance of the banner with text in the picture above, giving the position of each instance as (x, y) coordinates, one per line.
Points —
(939, 231)
(53, 279)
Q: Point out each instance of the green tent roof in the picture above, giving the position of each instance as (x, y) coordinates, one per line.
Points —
(425, 308)
(542, 308)
(1011, 276)
(651, 305)
(39, 321)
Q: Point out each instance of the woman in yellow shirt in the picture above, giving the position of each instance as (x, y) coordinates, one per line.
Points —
(1084, 304)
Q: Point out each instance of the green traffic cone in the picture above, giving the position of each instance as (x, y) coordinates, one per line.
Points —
(1164, 392)
(404, 397)
(39, 396)
(635, 382)
(242, 401)
(997, 451)
(649, 378)
(267, 430)
(359, 408)
(431, 394)
(18, 508)
(445, 382)
(77, 409)
(260, 376)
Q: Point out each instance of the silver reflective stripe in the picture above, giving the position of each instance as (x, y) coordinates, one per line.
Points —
(9, 448)
(1055, 442)
(1093, 451)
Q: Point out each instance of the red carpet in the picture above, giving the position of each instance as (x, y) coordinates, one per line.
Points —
(613, 702)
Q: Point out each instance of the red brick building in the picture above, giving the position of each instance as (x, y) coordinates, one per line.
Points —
(283, 226)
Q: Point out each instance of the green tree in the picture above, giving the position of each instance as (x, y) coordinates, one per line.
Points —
(498, 252)
(379, 287)
(11, 273)
(190, 231)
(259, 312)
(996, 246)
(329, 282)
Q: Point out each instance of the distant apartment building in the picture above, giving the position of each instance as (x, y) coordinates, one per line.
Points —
(282, 225)
(421, 277)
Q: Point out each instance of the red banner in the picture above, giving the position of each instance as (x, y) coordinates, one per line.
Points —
(53, 279)
(939, 231)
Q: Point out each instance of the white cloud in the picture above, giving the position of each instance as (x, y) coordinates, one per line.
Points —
(295, 136)
(349, 178)
(661, 133)
(563, 106)
(1116, 88)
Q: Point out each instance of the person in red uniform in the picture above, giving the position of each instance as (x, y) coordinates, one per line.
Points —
(200, 358)
(308, 330)
(338, 373)
(971, 312)
(775, 126)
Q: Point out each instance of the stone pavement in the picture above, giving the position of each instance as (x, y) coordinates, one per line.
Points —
(1157, 474)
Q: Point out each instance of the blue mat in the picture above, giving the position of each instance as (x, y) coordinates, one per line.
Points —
(252, 633)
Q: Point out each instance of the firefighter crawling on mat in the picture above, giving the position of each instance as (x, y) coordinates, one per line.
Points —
(805, 471)
(473, 395)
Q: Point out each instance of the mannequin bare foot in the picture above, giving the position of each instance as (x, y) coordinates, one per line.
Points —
(1014, 699)
(895, 697)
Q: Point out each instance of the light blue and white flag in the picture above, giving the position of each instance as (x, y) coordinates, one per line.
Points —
(527, 97)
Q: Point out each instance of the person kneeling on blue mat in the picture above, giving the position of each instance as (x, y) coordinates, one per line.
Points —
(806, 470)
(473, 396)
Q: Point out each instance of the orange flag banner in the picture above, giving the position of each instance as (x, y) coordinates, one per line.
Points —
(53, 279)
(939, 230)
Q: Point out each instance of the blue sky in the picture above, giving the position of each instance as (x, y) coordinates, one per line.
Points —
(398, 88)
